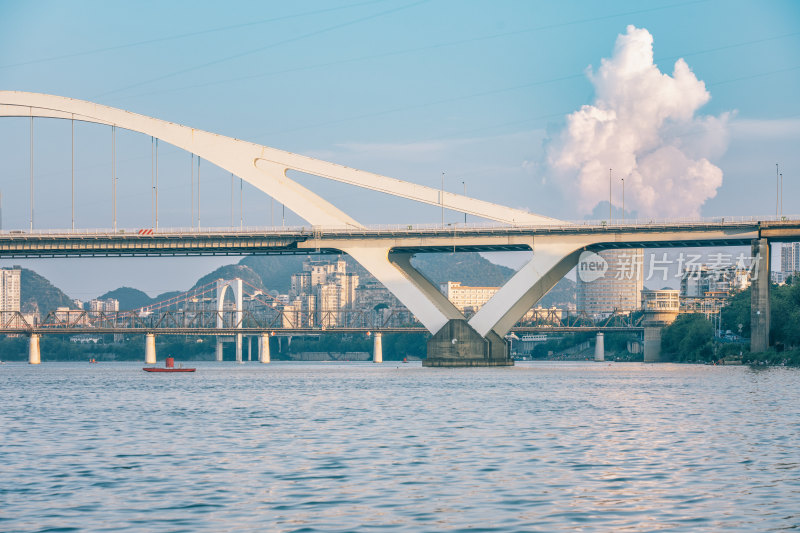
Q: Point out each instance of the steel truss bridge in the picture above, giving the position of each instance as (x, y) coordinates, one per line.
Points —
(262, 315)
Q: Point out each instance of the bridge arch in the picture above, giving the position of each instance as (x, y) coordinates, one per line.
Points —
(266, 169)
(263, 167)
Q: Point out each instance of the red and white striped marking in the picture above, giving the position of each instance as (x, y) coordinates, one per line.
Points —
(145, 231)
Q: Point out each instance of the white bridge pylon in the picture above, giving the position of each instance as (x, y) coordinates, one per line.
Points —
(235, 286)
(266, 169)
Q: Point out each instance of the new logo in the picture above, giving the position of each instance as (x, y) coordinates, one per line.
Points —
(591, 267)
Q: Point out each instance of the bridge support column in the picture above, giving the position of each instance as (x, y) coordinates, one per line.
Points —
(377, 348)
(219, 349)
(652, 344)
(458, 344)
(249, 348)
(238, 347)
(149, 349)
(263, 348)
(759, 297)
(600, 348)
(34, 354)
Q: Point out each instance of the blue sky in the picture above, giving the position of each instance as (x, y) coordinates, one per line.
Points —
(404, 88)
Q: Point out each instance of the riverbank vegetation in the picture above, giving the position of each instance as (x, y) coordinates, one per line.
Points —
(691, 337)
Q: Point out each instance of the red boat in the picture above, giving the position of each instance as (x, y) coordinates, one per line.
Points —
(168, 367)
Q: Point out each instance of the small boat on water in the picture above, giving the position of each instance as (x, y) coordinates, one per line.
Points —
(169, 366)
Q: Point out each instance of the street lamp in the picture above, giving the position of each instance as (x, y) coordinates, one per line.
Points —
(777, 190)
(465, 193)
(441, 198)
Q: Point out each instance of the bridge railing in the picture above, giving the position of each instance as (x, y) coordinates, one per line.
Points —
(318, 231)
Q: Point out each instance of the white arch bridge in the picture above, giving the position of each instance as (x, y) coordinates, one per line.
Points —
(386, 253)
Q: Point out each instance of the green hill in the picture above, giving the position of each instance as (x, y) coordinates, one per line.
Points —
(233, 271)
(129, 298)
(275, 271)
(166, 296)
(37, 294)
(470, 268)
(562, 294)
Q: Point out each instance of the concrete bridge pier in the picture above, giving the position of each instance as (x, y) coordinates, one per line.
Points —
(759, 296)
(263, 348)
(34, 354)
(652, 344)
(149, 349)
(458, 344)
(377, 348)
(249, 348)
(661, 308)
(600, 348)
(219, 349)
(238, 347)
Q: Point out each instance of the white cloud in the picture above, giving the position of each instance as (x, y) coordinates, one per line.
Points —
(643, 126)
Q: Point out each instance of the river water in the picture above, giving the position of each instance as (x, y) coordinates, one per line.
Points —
(359, 446)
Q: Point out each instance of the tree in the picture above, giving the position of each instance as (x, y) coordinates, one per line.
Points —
(689, 338)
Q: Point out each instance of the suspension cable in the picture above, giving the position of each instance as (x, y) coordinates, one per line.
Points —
(31, 173)
(156, 184)
(198, 191)
(191, 200)
(152, 182)
(114, 176)
(73, 173)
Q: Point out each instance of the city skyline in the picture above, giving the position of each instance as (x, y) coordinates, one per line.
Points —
(486, 119)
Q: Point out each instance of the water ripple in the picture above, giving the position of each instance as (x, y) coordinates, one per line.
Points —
(344, 447)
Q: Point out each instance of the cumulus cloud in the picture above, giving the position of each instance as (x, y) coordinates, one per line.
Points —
(642, 125)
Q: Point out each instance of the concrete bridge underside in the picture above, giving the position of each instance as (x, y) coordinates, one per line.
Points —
(456, 341)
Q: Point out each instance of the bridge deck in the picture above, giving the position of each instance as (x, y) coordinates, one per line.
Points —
(410, 238)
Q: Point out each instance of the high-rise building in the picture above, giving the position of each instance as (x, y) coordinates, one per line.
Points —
(108, 305)
(300, 312)
(378, 306)
(10, 289)
(706, 282)
(618, 286)
(790, 258)
(331, 287)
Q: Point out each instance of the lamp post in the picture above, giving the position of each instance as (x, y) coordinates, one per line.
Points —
(609, 196)
(441, 198)
(465, 193)
(777, 191)
(72, 194)
(31, 173)
(623, 200)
